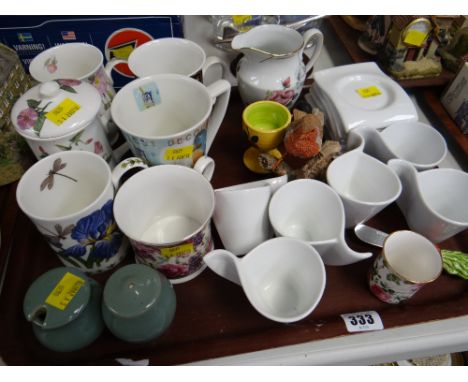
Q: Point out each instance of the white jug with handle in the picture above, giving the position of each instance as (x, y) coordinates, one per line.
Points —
(272, 67)
(433, 201)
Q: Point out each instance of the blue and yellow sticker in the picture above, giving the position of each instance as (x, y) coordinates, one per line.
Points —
(147, 96)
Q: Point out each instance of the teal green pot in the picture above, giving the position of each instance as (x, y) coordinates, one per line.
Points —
(63, 306)
(138, 304)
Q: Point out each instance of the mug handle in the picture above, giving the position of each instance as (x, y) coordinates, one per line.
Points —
(313, 37)
(219, 92)
(121, 169)
(205, 166)
(210, 63)
(110, 66)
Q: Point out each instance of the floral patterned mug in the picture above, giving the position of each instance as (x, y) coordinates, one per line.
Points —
(69, 196)
(166, 213)
(408, 261)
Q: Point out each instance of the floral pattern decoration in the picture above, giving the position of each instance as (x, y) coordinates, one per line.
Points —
(387, 286)
(51, 64)
(179, 266)
(103, 84)
(90, 144)
(285, 96)
(95, 239)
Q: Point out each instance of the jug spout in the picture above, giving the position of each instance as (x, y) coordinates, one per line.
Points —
(223, 263)
(240, 41)
(373, 143)
(252, 47)
(271, 41)
(403, 168)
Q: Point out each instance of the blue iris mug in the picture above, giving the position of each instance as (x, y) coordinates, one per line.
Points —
(69, 196)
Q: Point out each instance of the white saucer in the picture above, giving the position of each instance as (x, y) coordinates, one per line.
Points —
(363, 95)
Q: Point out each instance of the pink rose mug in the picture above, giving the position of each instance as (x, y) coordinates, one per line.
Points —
(166, 213)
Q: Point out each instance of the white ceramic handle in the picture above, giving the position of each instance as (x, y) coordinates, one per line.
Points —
(123, 167)
(219, 92)
(110, 66)
(211, 62)
(205, 166)
(315, 36)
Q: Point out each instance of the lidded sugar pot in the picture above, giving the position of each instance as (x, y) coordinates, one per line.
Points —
(64, 307)
(62, 115)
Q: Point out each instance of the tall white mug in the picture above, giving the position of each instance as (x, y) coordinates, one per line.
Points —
(174, 55)
(170, 118)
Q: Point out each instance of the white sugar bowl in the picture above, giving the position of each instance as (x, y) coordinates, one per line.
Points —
(62, 115)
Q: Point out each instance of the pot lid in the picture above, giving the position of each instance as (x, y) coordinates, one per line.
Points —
(132, 290)
(56, 297)
(55, 108)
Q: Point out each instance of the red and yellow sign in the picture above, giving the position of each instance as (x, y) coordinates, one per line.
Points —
(123, 42)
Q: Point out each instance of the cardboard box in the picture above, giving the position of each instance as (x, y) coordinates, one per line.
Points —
(455, 99)
(115, 36)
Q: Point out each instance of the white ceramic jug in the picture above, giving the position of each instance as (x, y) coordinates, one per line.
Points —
(272, 67)
(415, 142)
(433, 201)
(283, 278)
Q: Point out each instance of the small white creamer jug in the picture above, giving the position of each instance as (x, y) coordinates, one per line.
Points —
(272, 67)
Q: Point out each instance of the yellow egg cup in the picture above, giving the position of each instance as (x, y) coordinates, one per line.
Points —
(265, 123)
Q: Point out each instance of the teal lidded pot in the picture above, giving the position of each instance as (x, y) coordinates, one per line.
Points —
(138, 304)
(63, 306)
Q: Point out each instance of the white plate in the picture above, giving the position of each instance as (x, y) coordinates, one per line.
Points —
(343, 84)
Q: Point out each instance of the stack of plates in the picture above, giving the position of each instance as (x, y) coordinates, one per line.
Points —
(359, 95)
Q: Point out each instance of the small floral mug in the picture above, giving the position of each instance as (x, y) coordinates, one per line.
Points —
(166, 213)
(408, 261)
(69, 196)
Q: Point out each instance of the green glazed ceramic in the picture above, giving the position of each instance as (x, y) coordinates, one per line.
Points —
(63, 305)
(265, 123)
(266, 115)
(138, 303)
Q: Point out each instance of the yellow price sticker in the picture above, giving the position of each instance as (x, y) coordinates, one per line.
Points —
(179, 250)
(371, 91)
(415, 37)
(64, 292)
(178, 153)
(63, 111)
